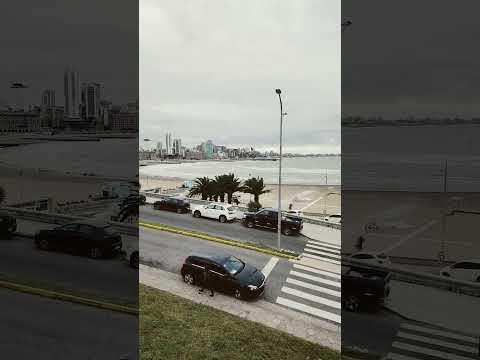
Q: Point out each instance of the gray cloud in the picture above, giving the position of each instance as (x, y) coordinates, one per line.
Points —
(208, 70)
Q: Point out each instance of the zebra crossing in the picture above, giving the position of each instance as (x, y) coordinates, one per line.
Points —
(323, 251)
(313, 291)
(427, 342)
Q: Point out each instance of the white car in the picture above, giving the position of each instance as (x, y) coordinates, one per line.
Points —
(334, 218)
(294, 212)
(467, 270)
(131, 253)
(371, 257)
(221, 212)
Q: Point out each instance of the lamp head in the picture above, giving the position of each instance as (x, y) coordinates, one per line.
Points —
(278, 91)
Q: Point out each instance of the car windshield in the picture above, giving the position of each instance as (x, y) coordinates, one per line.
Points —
(233, 265)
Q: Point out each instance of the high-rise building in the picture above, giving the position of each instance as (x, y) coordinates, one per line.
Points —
(208, 149)
(177, 147)
(91, 101)
(48, 99)
(159, 148)
(72, 94)
(168, 144)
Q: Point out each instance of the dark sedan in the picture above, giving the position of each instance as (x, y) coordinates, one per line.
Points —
(8, 224)
(94, 239)
(228, 274)
(178, 205)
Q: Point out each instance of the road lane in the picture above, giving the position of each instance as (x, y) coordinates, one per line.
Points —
(34, 327)
(168, 251)
(112, 278)
(234, 230)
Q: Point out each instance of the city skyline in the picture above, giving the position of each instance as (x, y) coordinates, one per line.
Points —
(206, 84)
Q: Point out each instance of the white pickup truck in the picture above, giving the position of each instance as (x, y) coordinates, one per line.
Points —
(221, 212)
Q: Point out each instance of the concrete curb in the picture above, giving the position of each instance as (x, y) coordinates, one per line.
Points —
(216, 239)
(67, 297)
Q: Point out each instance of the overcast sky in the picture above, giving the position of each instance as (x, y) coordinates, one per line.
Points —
(98, 38)
(209, 69)
(411, 57)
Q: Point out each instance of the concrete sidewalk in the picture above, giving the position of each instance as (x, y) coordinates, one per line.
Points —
(435, 306)
(322, 233)
(263, 312)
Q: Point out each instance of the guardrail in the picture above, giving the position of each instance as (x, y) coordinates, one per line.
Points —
(60, 219)
(420, 278)
(244, 209)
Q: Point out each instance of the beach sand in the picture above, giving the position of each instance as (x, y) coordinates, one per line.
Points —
(318, 199)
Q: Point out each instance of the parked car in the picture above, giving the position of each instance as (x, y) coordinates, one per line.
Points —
(221, 212)
(229, 274)
(8, 224)
(363, 288)
(467, 270)
(132, 254)
(371, 257)
(334, 218)
(268, 218)
(171, 204)
(92, 238)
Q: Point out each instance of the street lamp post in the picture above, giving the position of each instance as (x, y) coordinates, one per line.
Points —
(279, 224)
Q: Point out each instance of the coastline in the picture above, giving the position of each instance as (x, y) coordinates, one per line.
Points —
(317, 199)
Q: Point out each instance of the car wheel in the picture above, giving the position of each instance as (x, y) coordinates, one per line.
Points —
(196, 214)
(352, 303)
(250, 224)
(44, 244)
(96, 253)
(237, 294)
(189, 279)
(287, 231)
(135, 260)
(222, 218)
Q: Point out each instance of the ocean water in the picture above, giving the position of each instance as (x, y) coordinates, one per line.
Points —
(106, 157)
(295, 171)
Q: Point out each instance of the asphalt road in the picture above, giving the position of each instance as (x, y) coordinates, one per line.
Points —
(111, 278)
(233, 230)
(34, 327)
(168, 251)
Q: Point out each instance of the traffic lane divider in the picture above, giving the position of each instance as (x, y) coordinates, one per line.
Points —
(203, 236)
(56, 295)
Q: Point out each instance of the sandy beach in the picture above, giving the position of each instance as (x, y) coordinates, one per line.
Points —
(318, 199)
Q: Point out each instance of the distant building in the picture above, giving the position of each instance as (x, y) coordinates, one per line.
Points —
(123, 121)
(208, 149)
(20, 121)
(177, 147)
(159, 148)
(71, 83)
(168, 144)
(48, 99)
(104, 114)
(91, 93)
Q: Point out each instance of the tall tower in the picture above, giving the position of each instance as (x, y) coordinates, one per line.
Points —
(48, 98)
(168, 144)
(72, 94)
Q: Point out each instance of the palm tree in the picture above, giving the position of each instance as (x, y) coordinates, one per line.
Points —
(203, 187)
(220, 187)
(256, 187)
(232, 185)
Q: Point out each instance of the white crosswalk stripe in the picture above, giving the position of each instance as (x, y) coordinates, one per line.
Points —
(322, 251)
(421, 342)
(312, 290)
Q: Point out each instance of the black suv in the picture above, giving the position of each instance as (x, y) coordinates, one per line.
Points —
(364, 288)
(228, 274)
(178, 205)
(268, 218)
(8, 224)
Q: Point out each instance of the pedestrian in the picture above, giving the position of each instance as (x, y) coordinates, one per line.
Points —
(207, 282)
(290, 206)
(360, 242)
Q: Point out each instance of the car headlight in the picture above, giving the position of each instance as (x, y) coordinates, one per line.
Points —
(252, 287)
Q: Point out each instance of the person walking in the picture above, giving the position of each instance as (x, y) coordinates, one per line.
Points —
(360, 242)
(207, 282)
